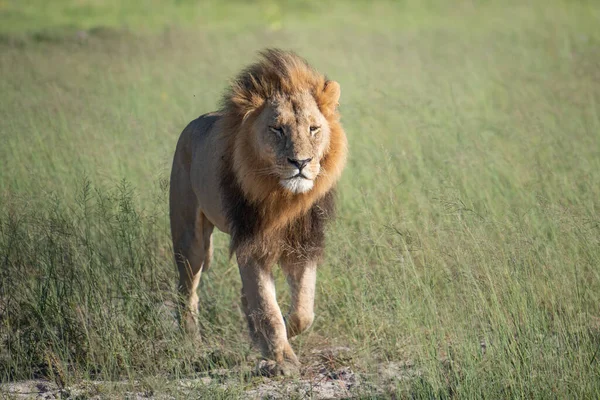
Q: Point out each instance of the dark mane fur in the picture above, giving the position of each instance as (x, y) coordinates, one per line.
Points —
(302, 239)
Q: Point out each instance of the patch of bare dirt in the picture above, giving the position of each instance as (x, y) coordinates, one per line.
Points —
(327, 374)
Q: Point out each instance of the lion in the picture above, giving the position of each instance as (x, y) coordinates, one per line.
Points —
(262, 169)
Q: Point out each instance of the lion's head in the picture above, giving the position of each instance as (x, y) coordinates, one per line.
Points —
(291, 136)
(288, 132)
(287, 147)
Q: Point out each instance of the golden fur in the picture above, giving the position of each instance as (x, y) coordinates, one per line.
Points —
(262, 169)
(280, 72)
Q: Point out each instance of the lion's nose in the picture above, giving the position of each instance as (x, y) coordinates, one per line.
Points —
(299, 163)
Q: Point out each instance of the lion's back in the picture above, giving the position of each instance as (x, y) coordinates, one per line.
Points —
(195, 177)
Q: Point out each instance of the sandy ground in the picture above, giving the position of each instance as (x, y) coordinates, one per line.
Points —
(324, 377)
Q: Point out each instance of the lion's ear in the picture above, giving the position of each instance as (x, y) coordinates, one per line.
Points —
(330, 97)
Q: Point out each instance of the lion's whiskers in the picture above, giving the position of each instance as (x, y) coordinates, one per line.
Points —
(267, 171)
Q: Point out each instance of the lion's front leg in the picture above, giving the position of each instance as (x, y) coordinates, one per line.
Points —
(301, 277)
(264, 318)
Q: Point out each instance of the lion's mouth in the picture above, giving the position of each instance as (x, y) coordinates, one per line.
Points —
(298, 175)
(298, 183)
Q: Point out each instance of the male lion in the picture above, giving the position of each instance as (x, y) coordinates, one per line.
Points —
(262, 169)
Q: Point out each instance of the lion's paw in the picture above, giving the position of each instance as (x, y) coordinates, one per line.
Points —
(270, 368)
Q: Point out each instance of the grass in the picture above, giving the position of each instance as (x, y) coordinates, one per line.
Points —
(468, 237)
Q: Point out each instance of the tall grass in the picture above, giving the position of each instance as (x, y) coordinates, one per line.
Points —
(468, 240)
(86, 289)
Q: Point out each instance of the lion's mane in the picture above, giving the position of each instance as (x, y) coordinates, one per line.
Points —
(264, 219)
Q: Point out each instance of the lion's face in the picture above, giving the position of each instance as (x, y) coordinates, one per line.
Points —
(292, 136)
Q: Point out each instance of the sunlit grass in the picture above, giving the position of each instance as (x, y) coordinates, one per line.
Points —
(468, 237)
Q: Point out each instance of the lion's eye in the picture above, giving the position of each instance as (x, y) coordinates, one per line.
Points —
(314, 129)
(278, 130)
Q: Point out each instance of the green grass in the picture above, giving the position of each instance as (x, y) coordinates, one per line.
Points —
(468, 237)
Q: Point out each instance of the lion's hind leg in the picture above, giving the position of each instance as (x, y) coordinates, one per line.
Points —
(193, 250)
(192, 244)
